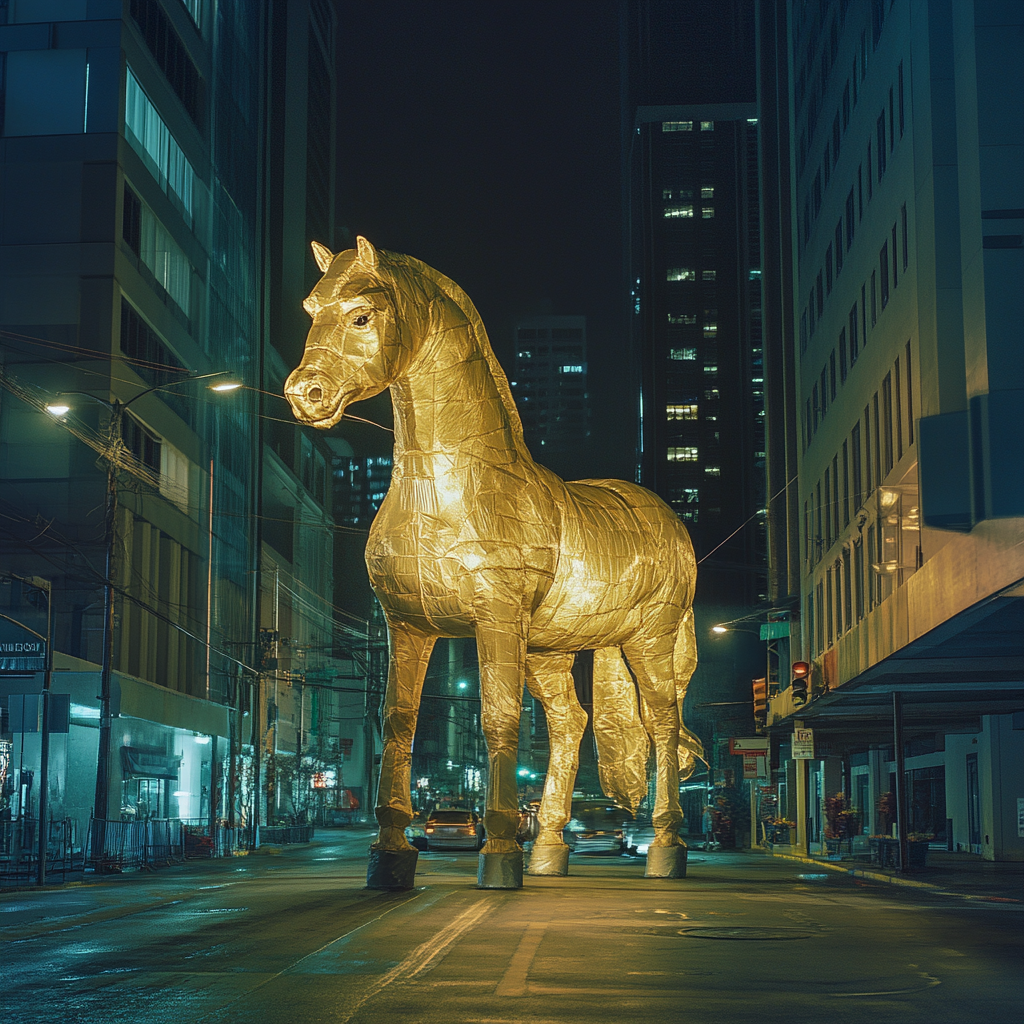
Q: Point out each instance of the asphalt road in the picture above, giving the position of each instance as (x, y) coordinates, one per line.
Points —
(295, 939)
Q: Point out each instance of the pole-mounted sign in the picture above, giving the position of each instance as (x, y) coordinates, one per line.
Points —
(21, 650)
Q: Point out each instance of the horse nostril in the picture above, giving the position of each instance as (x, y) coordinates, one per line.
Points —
(314, 394)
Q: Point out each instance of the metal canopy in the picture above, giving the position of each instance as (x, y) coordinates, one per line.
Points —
(971, 665)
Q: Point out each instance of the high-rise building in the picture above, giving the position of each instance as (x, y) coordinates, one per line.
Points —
(549, 384)
(892, 236)
(145, 253)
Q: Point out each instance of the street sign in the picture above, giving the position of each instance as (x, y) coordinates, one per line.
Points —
(748, 745)
(754, 766)
(21, 651)
(803, 744)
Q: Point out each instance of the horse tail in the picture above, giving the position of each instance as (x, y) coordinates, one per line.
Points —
(623, 745)
(684, 661)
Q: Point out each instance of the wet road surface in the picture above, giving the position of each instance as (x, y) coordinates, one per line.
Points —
(295, 939)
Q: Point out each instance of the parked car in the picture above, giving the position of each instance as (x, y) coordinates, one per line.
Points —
(454, 828)
(416, 832)
(595, 826)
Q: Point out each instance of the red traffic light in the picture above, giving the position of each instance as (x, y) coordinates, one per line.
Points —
(801, 669)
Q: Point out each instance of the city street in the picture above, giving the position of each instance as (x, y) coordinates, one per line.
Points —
(294, 937)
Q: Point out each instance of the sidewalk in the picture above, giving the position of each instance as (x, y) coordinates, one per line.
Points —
(972, 879)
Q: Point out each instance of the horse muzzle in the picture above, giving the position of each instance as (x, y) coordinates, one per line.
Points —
(314, 398)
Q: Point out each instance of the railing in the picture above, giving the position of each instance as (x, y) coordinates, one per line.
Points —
(221, 841)
(19, 850)
(274, 835)
(129, 845)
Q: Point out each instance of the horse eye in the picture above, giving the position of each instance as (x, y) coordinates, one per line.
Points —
(362, 320)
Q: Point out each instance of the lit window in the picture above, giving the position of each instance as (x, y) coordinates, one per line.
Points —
(708, 275)
(679, 210)
(682, 318)
(710, 330)
(711, 368)
(666, 193)
(146, 129)
(681, 412)
(571, 368)
(682, 353)
(526, 354)
(713, 470)
(707, 212)
(707, 126)
(707, 192)
(711, 394)
(677, 126)
(685, 454)
(680, 274)
(690, 495)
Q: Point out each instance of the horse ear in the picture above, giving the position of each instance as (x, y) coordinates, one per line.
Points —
(366, 252)
(323, 256)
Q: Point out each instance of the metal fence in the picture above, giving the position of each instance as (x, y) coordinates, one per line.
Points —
(129, 845)
(19, 850)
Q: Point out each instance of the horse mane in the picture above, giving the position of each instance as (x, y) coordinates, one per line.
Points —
(465, 304)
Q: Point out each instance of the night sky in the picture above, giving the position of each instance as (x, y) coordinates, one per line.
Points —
(483, 138)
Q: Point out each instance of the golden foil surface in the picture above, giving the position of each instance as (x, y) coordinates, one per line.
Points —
(476, 539)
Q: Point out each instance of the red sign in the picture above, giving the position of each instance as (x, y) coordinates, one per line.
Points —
(754, 766)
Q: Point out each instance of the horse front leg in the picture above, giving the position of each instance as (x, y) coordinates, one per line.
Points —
(501, 649)
(549, 678)
(392, 863)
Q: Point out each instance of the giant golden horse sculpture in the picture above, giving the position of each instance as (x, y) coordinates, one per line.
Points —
(474, 539)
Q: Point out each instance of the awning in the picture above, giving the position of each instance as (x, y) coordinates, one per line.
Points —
(141, 764)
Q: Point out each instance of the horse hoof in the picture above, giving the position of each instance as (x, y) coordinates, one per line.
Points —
(500, 870)
(391, 869)
(666, 862)
(549, 860)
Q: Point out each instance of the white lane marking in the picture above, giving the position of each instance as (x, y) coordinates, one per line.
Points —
(514, 981)
(423, 957)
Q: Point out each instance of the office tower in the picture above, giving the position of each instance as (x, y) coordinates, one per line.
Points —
(141, 166)
(893, 206)
(549, 384)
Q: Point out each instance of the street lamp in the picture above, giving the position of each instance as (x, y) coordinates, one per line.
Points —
(117, 409)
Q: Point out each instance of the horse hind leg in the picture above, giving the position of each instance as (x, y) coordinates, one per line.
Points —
(623, 748)
(549, 679)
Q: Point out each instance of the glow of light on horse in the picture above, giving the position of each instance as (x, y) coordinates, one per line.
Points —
(475, 539)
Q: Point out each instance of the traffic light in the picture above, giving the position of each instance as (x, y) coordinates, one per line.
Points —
(801, 674)
(760, 688)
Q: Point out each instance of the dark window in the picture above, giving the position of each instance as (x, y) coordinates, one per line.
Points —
(846, 100)
(140, 442)
(835, 140)
(803, 332)
(863, 318)
(887, 422)
(828, 269)
(826, 164)
(906, 237)
(820, 292)
(824, 390)
(842, 355)
(895, 275)
(853, 334)
(131, 221)
(858, 579)
(883, 273)
(832, 375)
(850, 220)
(846, 484)
(867, 450)
(817, 193)
(880, 140)
(874, 300)
(858, 493)
(811, 306)
(869, 171)
(892, 124)
(900, 79)
(878, 443)
(899, 412)
(910, 399)
(828, 518)
(860, 192)
(170, 53)
(817, 407)
(839, 246)
(809, 424)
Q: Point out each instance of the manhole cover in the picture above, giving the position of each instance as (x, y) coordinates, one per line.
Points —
(770, 934)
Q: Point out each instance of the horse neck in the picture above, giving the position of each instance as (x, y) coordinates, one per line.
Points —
(448, 403)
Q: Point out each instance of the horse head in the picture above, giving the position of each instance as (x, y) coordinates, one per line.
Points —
(354, 349)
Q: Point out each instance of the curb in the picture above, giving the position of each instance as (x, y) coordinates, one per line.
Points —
(874, 876)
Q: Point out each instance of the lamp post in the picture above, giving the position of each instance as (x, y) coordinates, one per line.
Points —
(117, 409)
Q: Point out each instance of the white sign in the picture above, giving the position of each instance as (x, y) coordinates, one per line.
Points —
(754, 766)
(803, 744)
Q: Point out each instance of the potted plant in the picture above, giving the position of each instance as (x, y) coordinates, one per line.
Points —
(917, 849)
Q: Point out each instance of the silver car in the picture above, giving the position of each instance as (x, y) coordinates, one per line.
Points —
(454, 828)
(595, 826)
